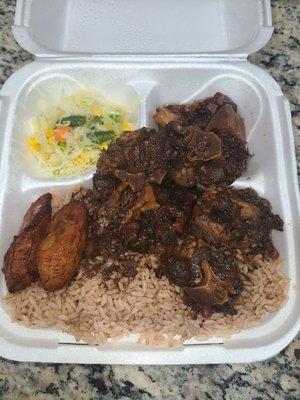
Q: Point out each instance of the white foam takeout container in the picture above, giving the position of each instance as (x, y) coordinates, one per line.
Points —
(162, 51)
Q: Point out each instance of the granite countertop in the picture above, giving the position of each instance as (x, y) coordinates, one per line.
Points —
(275, 379)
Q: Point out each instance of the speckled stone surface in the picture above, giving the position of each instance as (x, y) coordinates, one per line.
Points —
(278, 378)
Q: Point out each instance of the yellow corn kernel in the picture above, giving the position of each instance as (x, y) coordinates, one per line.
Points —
(49, 136)
(84, 156)
(97, 111)
(104, 146)
(82, 159)
(79, 160)
(33, 144)
(126, 126)
(49, 133)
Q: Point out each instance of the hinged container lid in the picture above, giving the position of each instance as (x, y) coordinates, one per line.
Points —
(223, 28)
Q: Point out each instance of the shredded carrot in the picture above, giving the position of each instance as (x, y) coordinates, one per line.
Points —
(61, 133)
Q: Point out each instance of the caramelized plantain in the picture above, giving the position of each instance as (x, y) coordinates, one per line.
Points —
(37, 211)
(60, 252)
(20, 267)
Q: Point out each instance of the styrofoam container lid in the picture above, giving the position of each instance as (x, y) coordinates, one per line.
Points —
(144, 27)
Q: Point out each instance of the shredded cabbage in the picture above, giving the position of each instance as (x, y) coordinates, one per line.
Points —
(66, 138)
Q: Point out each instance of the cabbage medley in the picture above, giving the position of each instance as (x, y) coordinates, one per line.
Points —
(67, 138)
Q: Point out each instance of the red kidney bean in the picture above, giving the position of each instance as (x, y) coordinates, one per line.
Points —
(206, 311)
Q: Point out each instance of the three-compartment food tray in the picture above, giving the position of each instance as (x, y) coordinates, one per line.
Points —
(163, 51)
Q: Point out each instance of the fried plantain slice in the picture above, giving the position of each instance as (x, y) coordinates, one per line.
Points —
(60, 252)
(37, 211)
(20, 268)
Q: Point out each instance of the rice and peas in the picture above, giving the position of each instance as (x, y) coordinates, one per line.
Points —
(94, 309)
